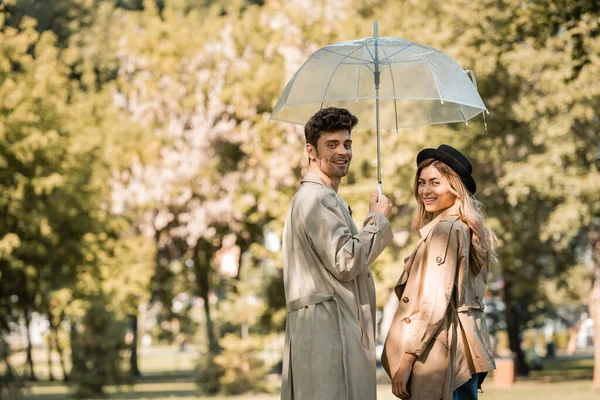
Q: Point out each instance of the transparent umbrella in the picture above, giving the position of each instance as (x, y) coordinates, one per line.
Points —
(388, 83)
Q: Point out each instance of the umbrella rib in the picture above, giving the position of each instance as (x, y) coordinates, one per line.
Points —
(394, 90)
(462, 113)
(368, 65)
(386, 61)
(330, 78)
(371, 54)
(359, 68)
(434, 79)
(296, 74)
(400, 51)
(343, 55)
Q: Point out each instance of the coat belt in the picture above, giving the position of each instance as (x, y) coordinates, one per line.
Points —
(308, 300)
(466, 309)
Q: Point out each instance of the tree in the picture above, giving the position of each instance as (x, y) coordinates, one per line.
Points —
(201, 179)
(47, 202)
(561, 106)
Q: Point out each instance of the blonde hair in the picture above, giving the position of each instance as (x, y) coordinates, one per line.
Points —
(470, 211)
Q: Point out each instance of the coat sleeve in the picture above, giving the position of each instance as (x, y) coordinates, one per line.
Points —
(343, 254)
(443, 256)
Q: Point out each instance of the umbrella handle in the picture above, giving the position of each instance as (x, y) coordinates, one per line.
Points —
(380, 190)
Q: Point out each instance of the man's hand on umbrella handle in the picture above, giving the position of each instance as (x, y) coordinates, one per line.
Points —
(383, 206)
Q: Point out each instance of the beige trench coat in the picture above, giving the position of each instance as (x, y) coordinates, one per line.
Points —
(330, 294)
(440, 317)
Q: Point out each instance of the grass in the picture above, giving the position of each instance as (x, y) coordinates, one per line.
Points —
(561, 369)
(161, 359)
(168, 376)
(524, 390)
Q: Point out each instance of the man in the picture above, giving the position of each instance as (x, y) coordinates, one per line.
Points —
(329, 289)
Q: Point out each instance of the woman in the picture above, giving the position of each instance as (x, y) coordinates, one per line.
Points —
(438, 346)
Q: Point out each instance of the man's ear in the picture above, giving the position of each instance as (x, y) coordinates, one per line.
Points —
(311, 152)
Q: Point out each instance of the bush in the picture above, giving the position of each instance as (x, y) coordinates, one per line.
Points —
(11, 386)
(244, 370)
(97, 343)
(561, 340)
(208, 375)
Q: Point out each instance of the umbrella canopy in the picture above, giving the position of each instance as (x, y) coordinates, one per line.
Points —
(386, 82)
(418, 85)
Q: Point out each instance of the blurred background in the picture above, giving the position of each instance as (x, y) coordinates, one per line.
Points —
(143, 191)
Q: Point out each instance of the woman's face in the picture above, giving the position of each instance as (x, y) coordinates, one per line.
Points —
(434, 190)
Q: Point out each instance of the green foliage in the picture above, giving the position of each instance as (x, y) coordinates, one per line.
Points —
(49, 196)
(275, 314)
(97, 350)
(208, 375)
(561, 340)
(243, 368)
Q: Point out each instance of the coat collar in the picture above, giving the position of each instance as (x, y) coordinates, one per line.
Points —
(314, 178)
(449, 212)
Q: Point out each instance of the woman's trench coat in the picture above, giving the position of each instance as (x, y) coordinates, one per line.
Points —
(440, 317)
(330, 294)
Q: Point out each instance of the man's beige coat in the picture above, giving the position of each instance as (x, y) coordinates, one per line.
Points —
(330, 294)
(440, 317)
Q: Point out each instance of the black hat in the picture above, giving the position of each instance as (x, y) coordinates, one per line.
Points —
(455, 160)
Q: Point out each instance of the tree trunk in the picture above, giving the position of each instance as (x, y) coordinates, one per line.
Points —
(59, 350)
(213, 345)
(9, 374)
(74, 347)
(134, 369)
(49, 342)
(513, 328)
(5, 353)
(203, 253)
(29, 346)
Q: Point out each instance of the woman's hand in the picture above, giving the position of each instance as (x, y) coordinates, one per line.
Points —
(400, 380)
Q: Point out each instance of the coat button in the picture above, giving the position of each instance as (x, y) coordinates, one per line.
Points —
(405, 299)
(438, 259)
(407, 320)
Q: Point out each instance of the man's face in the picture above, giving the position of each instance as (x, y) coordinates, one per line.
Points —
(333, 153)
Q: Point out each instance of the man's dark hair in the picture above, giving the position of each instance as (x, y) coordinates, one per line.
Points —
(331, 119)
